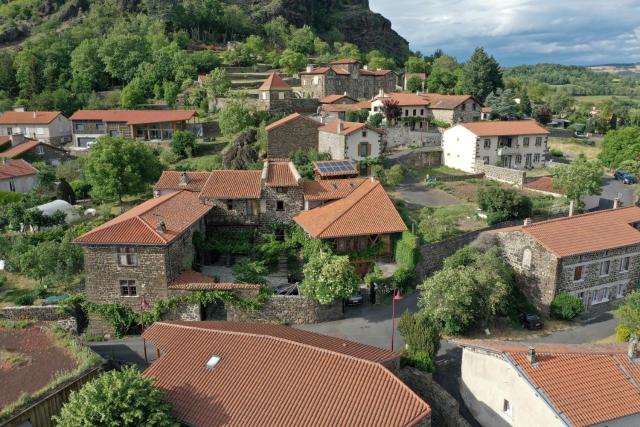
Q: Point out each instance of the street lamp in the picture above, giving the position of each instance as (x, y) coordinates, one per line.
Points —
(396, 297)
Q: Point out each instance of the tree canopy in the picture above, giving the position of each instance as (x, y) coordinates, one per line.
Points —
(328, 278)
(620, 145)
(481, 75)
(580, 178)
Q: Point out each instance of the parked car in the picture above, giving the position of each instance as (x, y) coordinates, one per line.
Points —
(625, 177)
(355, 299)
(531, 321)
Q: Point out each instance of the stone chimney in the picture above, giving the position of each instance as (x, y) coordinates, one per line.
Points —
(184, 179)
(571, 208)
(616, 203)
(309, 68)
(632, 349)
(528, 221)
(16, 139)
(532, 357)
(161, 227)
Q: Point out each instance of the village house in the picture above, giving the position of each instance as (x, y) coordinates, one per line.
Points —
(346, 76)
(16, 146)
(17, 176)
(507, 383)
(594, 256)
(451, 109)
(290, 134)
(408, 76)
(337, 99)
(243, 374)
(46, 126)
(515, 144)
(338, 110)
(350, 140)
(335, 169)
(277, 97)
(146, 125)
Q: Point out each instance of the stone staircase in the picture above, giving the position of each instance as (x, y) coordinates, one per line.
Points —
(280, 276)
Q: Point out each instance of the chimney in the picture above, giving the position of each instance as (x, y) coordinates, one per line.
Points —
(381, 93)
(16, 139)
(19, 109)
(34, 114)
(365, 67)
(161, 227)
(632, 350)
(616, 203)
(309, 68)
(345, 93)
(184, 179)
(340, 126)
(528, 221)
(571, 208)
(531, 356)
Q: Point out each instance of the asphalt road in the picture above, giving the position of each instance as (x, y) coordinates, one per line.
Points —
(415, 194)
(610, 190)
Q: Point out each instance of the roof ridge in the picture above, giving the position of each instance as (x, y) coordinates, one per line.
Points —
(582, 215)
(153, 230)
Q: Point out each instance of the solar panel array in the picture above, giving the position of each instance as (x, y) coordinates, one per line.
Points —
(333, 166)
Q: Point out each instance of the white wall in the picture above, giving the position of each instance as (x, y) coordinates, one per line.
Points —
(517, 148)
(459, 148)
(487, 381)
(23, 184)
(331, 143)
(353, 144)
(60, 126)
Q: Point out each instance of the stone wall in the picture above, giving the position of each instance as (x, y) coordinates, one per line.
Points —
(290, 105)
(299, 134)
(511, 176)
(403, 136)
(445, 410)
(418, 158)
(287, 309)
(355, 85)
(41, 313)
(293, 202)
(99, 326)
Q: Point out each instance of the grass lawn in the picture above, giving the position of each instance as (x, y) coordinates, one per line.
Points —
(436, 171)
(207, 158)
(16, 286)
(595, 99)
(572, 148)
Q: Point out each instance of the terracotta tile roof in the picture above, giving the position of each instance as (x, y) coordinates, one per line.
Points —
(333, 98)
(233, 184)
(194, 281)
(404, 99)
(543, 183)
(505, 128)
(290, 118)
(367, 210)
(179, 211)
(170, 180)
(590, 232)
(364, 72)
(16, 168)
(347, 127)
(362, 105)
(345, 61)
(324, 70)
(271, 375)
(274, 82)
(27, 117)
(281, 173)
(587, 384)
(330, 189)
(445, 102)
(134, 117)
(20, 149)
(320, 166)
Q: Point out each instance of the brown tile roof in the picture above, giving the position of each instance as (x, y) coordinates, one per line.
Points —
(20, 149)
(347, 127)
(28, 117)
(345, 61)
(170, 180)
(319, 165)
(194, 281)
(134, 117)
(505, 128)
(281, 173)
(179, 211)
(445, 102)
(324, 70)
(587, 384)
(364, 72)
(233, 184)
(405, 99)
(367, 210)
(16, 168)
(543, 183)
(271, 375)
(330, 189)
(290, 118)
(333, 98)
(274, 82)
(362, 105)
(590, 232)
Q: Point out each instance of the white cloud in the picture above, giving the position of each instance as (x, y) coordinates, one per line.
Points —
(520, 31)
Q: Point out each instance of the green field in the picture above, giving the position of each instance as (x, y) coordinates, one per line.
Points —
(595, 99)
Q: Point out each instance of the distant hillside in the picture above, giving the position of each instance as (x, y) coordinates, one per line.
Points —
(622, 70)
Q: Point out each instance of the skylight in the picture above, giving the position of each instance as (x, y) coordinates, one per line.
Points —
(212, 362)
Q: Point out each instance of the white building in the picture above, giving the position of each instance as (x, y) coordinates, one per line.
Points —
(517, 144)
(45, 126)
(350, 140)
(17, 176)
(48, 209)
(506, 383)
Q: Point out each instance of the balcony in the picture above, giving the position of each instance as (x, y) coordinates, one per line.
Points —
(506, 151)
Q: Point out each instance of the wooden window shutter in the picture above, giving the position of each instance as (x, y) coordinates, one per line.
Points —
(368, 149)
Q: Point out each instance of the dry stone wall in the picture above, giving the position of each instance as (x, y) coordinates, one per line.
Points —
(287, 309)
(511, 176)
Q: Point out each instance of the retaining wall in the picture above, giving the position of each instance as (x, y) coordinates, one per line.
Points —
(287, 309)
(40, 313)
(403, 136)
(511, 176)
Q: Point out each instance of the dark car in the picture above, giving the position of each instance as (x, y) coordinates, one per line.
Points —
(355, 299)
(531, 321)
(625, 177)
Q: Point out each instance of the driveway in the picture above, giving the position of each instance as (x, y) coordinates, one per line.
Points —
(610, 190)
(416, 195)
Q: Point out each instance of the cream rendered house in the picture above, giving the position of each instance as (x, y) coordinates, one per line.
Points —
(45, 126)
(350, 140)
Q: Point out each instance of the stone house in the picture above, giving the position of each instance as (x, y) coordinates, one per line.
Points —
(231, 373)
(346, 76)
(508, 383)
(46, 126)
(146, 125)
(350, 140)
(594, 256)
(408, 76)
(290, 134)
(337, 99)
(515, 144)
(330, 112)
(277, 97)
(17, 176)
(16, 146)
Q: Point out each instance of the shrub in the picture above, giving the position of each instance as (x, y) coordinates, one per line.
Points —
(503, 204)
(81, 188)
(422, 338)
(629, 313)
(556, 152)
(183, 143)
(328, 278)
(26, 299)
(394, 175)
(7, 197)
(566, 306)
(623, 333)
(3, 279)
(168, 156)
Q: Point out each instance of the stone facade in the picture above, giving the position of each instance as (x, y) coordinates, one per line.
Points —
(288, 309)
(45, 153)
(286, 138)
(497, 173)
(288, 105)
(357, 82)
(292, 199)
(464, 112)
(403, 136)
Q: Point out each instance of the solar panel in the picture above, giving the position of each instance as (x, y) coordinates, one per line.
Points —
(330, 166)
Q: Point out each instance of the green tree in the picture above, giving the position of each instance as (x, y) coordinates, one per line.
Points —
(301, 40)
(376, 60)
(8, 82)
(133, 94)
(631, 166)
(277, 31)
(422, 339)
(580, 178)
(292, 61)
(434, 226)
(444, 74)
(122, 53)
(561, 103)
(394, 175)
(117, 398)
(347, 50)
(503, 104)
(414, 84)
(86, 67)
(217, 83)
(328, 278)
(629, 313)
(183, 143)
(620, 145)
(503, 204)
(375, 120)
(65, 192)
(119, 166)
(416, 64)
(481, 75)
(525, 107)
(235, 117)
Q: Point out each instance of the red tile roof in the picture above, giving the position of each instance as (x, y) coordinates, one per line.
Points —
(134, 117)
(366, 211)
(170, 180)
(271, 375)
(364, 72)
(18, 150)
(330, 189)
(281, 173)
(322, 164)
(274, 82)
(587, 384)
(405, 99)
(333, 98)
(347, 127)
(590, 232)
(505, 128)
(438, 101)
(16, 168)
(290, 118)
(543, 183)
(179, 211)
(28, 117)
(362, 105)
(323, 70)
(194, 281)
(233, 184)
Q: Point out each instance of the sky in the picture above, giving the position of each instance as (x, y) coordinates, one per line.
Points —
(581, 32)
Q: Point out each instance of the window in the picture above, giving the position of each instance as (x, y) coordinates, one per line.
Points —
(604, 268)
(487, 143)
(600, 295)
(414, 112)
(279, 205)
(536, 158)
(528, 159)
(100, 127)
(39, 149)
(406, 113)
(422, 111)
(624, 264)
(229, 205)
(281, 190)
(264, 95)
(622, 287)
(126, 257)
(509, 142)
(518, 158)
(526, 258)
(364, 133)
(506, 408)
(113, 133)
(463, 107)
(538, 141)
(79, 127)
(128, 288)
(9, 130)
(280, 95)
(12, 185)
(577, 273)
(40, 131)
(364, 149)
(485, 159)
(474, 106)
(525, 141)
